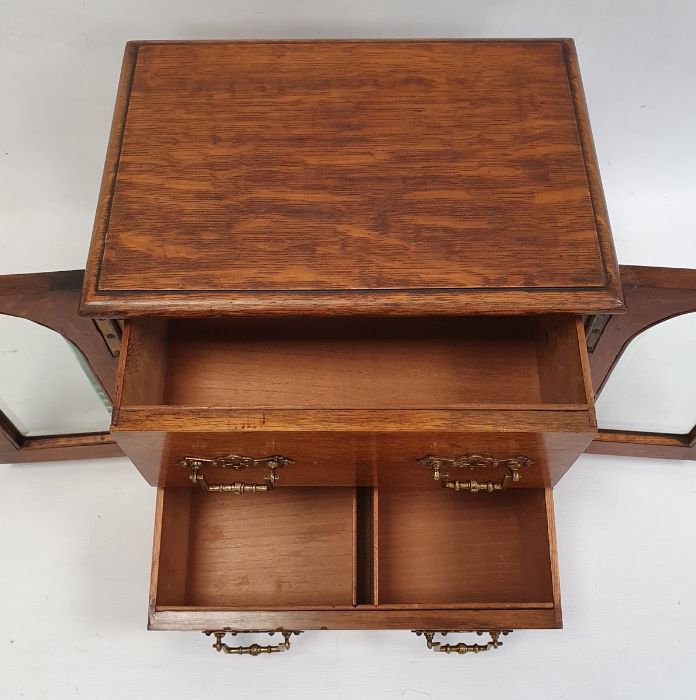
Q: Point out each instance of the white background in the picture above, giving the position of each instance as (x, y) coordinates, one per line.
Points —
(75, 539)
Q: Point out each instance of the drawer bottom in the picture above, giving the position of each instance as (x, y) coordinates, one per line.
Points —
(354, 558)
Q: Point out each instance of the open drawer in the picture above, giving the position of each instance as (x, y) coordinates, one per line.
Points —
(354, 401)
(354, 558)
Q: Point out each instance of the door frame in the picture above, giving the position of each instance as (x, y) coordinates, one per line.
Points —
(52, 299)
(652, 295)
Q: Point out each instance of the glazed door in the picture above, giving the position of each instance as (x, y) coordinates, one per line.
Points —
(643, 368)
(57, 371)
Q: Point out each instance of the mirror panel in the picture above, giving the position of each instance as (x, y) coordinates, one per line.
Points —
(46, 386)
(653, 386)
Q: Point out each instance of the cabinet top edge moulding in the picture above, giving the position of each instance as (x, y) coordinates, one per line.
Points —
(351, 177)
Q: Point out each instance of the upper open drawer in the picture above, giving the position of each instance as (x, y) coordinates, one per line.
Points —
(346, 399)
(434, 177)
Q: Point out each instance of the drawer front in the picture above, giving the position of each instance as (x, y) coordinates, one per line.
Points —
(354, 558)
(363, 459)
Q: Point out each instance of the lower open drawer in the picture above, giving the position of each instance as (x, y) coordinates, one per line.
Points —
(354, 558)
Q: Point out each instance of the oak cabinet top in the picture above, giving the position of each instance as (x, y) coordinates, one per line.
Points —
(385, 177)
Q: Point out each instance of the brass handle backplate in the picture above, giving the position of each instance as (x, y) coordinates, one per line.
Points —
(462, 648)
(475, 461)
(272, 463)
(252, 649)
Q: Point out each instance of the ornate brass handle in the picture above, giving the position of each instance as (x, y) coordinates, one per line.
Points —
(462, 648)
(252, 649)
(475, 461)
(274, 462)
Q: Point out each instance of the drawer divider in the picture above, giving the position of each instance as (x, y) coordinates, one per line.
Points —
(365, 574)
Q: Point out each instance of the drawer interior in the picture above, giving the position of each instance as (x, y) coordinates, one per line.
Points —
(346, 548)
(293, 548)
(357, 363)
(440, 548)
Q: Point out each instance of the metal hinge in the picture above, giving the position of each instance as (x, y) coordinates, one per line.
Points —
(594, 327)
(111, 331)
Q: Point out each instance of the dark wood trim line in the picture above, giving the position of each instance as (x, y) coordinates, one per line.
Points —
(647, 445)
(691, 437)
(10, 432)
(61, 447)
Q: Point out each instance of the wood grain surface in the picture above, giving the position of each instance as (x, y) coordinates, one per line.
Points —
(350, 177)
(345, 458)
(197, 619)
(353, 363)
(293, 550)
(435, 548)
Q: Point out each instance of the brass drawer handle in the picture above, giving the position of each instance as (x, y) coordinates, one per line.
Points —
(252, 649)
(475, 461)
(274, 462)
(462, 648)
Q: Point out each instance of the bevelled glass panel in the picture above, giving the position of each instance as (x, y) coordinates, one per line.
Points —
(46, 386)
(653, 386)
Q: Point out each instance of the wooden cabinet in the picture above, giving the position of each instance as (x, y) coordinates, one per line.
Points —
(353, 273)
(356, 278)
